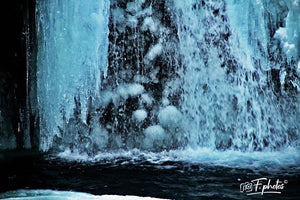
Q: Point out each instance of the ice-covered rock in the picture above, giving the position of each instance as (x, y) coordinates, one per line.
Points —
(145, 12)
(149, 24)
(122, 91)
(135, 89)
(141, 79)
(105, 97)
(165, 101)
(154, 131)
(147, 99)
(154, 51)
(290, 34)
(140, 115)
(127, 90)
(132, 21)
(154, 136)
(135, 6)
(153, 75)
(118, 15)
(169, 117)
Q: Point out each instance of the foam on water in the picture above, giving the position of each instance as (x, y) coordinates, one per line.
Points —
(256, 161)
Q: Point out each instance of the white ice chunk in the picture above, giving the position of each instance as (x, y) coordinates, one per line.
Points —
(130, 89)
(154, 51)
(118, 15)
(165, 101)
(149, 24)
(281, 34)
(154, 135)
(169, 117)
(105, 97)
(289, 48)
(135, 89)
(145, 12)
(135, 6)
(131, 7)
(132, 21)
(290, 34)
(282, 77)
(155, 131)
(141, 79)
(140, 115)
(122, 91)
(153, 75)
(147, 99)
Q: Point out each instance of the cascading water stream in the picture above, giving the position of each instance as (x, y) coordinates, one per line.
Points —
(228, 78)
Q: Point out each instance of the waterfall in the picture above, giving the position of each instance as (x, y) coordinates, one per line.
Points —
(159, 76)
(234, 94)
(147, 99)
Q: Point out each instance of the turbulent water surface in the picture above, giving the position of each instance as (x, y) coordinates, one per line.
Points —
(146, 175)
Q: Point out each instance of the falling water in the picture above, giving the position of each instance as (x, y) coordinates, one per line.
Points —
(235, 94)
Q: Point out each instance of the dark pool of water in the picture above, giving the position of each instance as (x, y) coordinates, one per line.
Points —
(172, 180)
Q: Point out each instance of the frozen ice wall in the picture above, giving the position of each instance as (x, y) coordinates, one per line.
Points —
(289, 34)
(72, 57)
